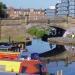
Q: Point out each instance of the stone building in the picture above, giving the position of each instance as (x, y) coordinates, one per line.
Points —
(34, 14)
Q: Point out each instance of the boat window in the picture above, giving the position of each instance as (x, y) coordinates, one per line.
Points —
(24, 69)
(39, 67)
(43, 66)
(8, 48)
(2, 68)
(13, 49)
(25, 57)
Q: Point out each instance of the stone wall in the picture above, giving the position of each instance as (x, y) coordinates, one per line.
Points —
(13, 33)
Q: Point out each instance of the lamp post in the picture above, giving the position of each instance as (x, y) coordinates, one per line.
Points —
(0, 28)
(25, 22)
(68, 12)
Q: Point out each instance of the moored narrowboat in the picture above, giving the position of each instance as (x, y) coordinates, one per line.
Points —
(26, 66)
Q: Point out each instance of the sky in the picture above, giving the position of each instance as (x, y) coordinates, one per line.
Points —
(29, 3)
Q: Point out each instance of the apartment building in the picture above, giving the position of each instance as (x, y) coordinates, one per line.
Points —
(66, 8)
(50, 12)
(62, 8)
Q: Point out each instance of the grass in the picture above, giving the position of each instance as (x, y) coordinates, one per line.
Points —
(14, 33)
(18, 38)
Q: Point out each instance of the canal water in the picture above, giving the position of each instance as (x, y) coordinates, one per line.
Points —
(39, 46)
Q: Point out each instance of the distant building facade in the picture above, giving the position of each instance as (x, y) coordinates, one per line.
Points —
(66, 8)
(34, 14)
(62, 8)
(50, 12)
(72, 8)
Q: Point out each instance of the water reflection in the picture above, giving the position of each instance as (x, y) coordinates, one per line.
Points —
(8, 73)
(40, 46)
(63, 61)
(67, 70)
(70, 33)
(67, 65)
(70, 48)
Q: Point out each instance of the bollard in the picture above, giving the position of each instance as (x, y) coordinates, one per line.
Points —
(59, 73)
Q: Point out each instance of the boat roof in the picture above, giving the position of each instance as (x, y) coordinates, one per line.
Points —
(5, 47)
(25, 62)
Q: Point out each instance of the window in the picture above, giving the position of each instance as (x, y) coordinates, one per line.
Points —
(64, 0)
(39, 67)
(38, 12)
(72, 11)
(24, 69)
(64, 4)
(15, 12)
(72, 7)
(72, 3)
(72, 14)
(19, 12)
(71, 0)
(62, 8)
(59, 5)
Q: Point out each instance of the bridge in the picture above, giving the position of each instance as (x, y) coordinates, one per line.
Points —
(63, 23)
(51, 22)
(59, 22)
(22, 23)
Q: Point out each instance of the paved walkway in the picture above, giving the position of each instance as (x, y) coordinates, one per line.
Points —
(62, 41)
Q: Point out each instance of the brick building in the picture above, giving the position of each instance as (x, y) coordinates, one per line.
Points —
(34, 14)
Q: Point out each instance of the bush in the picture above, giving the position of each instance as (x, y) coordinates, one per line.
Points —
(40, 33)
(32, 31)
(36, 32)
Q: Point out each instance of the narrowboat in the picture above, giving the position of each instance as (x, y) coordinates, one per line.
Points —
(23, 66)
(11, 60)
(9, 51)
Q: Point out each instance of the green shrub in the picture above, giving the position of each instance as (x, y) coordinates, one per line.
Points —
(36, 32)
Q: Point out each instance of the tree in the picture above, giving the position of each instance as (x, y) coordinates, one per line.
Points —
(3, 12)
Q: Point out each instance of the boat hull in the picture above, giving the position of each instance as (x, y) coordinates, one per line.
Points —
(26, 66)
